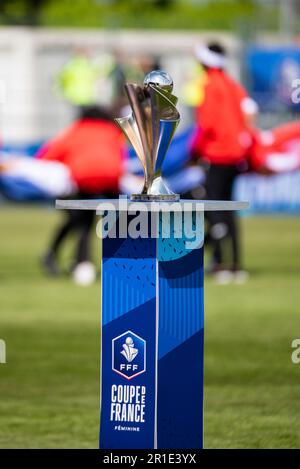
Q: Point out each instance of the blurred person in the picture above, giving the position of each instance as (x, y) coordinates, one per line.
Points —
(147, 63)
(102, 80)
(77, 79)
(124, 69)
(192, 91)
(134, 70)
(93, 150)
(85, 81)
(222, 141)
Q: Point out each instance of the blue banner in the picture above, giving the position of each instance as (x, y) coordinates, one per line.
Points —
(271, 72)
(270, 194)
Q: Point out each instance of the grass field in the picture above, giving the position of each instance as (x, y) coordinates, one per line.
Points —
(49, 388)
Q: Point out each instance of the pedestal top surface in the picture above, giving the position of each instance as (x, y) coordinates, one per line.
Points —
(125, 204)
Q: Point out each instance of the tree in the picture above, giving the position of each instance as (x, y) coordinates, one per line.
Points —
(21, 11)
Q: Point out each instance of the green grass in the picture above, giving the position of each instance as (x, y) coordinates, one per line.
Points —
(49, 388)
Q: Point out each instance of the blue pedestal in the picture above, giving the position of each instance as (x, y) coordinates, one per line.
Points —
(152, 325)
(152, 338)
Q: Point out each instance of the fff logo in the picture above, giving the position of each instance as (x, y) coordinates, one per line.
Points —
(129, 355)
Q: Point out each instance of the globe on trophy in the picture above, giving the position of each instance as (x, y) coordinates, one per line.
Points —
(149, 129)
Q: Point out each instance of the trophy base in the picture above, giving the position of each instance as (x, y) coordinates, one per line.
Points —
(155, 198)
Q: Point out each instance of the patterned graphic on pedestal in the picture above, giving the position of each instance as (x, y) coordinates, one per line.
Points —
(180, 340)
(128, 341)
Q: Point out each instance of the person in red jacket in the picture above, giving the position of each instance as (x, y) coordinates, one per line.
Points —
(222, 141)
(93, 149)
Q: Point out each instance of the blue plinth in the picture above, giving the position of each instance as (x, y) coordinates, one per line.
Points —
(152, 336)
(152, 322)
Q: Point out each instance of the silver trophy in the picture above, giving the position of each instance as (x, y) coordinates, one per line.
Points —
(150, 128)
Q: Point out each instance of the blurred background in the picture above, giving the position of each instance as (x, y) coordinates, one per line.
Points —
(49, 389)
(38, 38)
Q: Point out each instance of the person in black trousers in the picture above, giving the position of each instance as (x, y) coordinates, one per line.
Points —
(79, 222)
(222, 141)
(223, 226)
(93, 150)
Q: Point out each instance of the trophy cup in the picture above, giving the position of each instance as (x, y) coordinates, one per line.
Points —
(152, 303)
(150, 128)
